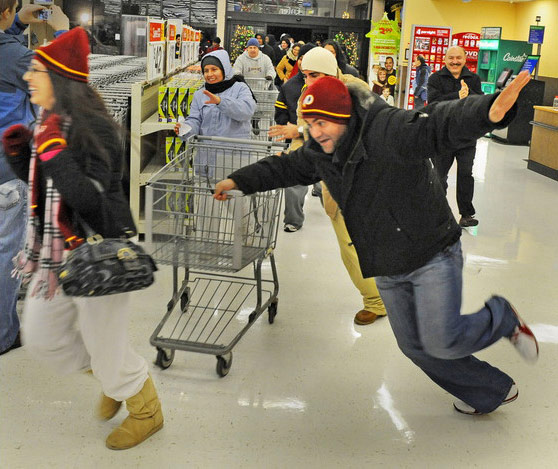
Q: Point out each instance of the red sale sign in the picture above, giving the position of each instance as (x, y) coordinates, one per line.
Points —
(469, 42)
(432, 42)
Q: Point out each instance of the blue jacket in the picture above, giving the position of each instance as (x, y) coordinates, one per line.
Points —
(231, 117)
(15, 107)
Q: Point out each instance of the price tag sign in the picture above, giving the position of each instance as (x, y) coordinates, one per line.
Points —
(156, 50)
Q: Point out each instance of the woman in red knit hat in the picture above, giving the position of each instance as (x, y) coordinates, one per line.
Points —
(72, 161)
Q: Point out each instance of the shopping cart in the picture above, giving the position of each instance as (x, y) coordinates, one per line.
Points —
(264, 116)
(211, 309)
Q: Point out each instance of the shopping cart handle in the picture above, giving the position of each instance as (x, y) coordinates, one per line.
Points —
(234, 193)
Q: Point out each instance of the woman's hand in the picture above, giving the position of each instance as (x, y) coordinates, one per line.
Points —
(222, 186)
(213, 99)
(15, 139)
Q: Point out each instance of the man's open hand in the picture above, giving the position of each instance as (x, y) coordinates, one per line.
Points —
(283, 132)
(507, 98)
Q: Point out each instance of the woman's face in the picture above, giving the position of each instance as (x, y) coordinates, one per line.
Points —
(416, 63)
(40, 85)
(330, 48)
(212, 74)
(296, 50)
(285, 44)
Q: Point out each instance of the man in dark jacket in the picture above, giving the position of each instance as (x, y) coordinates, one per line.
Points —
(15, 108)
(455, 81)
(374, 160)
(266, 48)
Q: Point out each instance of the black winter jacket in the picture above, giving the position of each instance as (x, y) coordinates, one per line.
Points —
(442, 86)
(393, 204)
(287, 100)
(72, 172)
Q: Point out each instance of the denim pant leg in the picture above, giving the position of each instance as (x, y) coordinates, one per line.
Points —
(424, 312)
(294, 203)
(13, 204)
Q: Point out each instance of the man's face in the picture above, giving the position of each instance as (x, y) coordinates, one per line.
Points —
(310, 76)
(389, 64)
(455, 60)
(253, 51)
(326, 133)
(260, 39)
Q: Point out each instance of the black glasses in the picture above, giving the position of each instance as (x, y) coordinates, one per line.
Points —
(34, 70)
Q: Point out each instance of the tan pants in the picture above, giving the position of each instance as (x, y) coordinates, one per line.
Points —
(366, 286)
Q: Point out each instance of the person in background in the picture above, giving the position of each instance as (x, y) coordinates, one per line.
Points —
(386, 96)
(455, 81)
(420, 82)
(74, 167)
(205, 43)
(225, 104)
(266, 49)
(375, 161)
(15, 108)
(344, 66)
(318, 63)
(285, 112)
(285, 66)
(391, 74)
(253, 63)
(380, 81)
(215, 45)
(272, 42)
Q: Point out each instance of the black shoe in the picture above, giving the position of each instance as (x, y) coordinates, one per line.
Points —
(467, 221)
(315, 193)
(16, 344)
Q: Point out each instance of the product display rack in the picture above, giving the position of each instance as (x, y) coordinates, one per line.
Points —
(146, 141)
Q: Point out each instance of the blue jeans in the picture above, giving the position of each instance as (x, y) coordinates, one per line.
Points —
(424, 310)
(13, 210)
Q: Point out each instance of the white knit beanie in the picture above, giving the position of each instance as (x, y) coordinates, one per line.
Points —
(320, 60)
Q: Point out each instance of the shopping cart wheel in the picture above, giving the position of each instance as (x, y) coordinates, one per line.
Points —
(184, 298)
(224, 363)
(252, 316)
(272, 311)
(164, 358)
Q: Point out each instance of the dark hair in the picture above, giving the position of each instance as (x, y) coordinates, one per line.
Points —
(421, 59)
(272, 40)
(92, 129)
(339, 54)
(7, 5)
(217, 40)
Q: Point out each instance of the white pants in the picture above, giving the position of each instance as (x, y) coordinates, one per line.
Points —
(101, 342)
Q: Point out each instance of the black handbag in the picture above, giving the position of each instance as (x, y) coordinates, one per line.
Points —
(102, 266)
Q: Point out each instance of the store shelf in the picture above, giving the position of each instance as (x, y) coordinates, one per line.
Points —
(148, 172)
(152, 125)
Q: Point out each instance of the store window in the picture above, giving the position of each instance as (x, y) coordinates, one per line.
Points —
(324, 8)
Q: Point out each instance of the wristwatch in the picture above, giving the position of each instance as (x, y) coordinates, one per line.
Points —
(301, 130)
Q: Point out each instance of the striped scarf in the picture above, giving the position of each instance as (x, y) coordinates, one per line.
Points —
(41, 256)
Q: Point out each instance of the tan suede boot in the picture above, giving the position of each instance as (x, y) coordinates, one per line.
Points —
(107, 408)
(145, 419)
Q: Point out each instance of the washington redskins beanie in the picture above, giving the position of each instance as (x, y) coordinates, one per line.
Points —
(328, 99)
(67, 55)
(320, 60)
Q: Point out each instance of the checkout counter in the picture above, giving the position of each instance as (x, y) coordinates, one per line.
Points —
(543, 155)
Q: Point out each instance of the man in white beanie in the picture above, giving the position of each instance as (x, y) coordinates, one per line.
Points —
(317, 63)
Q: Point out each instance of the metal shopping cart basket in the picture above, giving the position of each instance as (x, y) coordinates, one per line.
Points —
(211, 309)
(264, 116)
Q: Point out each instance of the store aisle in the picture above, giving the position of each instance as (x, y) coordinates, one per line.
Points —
(313, 390)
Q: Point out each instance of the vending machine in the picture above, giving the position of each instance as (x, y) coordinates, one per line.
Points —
(497, 56)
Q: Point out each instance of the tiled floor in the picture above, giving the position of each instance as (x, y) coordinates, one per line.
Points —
(313, 389)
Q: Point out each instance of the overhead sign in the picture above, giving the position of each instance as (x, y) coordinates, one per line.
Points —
(536, 34)
(156, 49)
(491, 32)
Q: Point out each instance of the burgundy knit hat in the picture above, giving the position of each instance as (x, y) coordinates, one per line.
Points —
(329, 99)
(67, 55)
